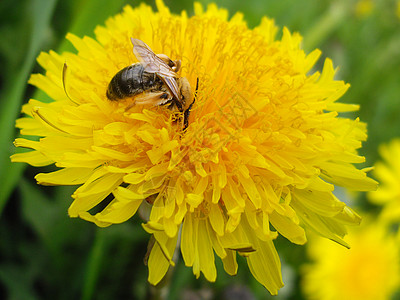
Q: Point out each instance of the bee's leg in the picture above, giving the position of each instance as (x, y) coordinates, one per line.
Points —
(178, 105)
(169, 102)
(186, 113)
(167, 99)
(152, 98)
(130, 106)
(155, 99)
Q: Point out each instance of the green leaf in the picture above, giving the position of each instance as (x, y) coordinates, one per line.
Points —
(42, 11)
(18, 282)
(41, 213)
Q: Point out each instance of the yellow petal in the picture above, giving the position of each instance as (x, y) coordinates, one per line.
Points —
(34, 158)
(158, 262)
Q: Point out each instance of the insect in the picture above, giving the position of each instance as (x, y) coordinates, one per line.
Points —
(153, 80)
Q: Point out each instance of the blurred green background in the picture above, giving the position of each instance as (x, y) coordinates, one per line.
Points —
(46, 255)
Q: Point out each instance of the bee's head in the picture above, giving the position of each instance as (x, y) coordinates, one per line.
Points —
(175, 65)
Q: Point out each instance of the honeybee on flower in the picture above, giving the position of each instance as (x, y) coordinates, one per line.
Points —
(154, 80)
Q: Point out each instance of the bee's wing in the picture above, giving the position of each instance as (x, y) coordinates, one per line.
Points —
(172, 85)
(151, 62)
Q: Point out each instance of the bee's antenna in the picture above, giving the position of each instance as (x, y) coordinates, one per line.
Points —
(197, 87)
(186, 114)
(64, 76)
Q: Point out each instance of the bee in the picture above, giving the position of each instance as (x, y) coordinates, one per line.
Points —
(153, 80)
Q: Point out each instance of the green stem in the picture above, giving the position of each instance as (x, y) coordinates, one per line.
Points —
(161, 290)
(94, 264)
(326, 24)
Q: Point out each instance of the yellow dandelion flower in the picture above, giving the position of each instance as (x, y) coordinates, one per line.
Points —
(262, 152)
(364, 8)
(388, 174)
(367, 271)
(398, 9)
